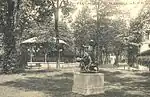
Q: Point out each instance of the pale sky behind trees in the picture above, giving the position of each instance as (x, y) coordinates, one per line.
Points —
(129, 8)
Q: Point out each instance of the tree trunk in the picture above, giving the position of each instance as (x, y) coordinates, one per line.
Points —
(57, 34)
(23, 58)
(130, 56)
(107, 55)
(117, 59)
(9, 58)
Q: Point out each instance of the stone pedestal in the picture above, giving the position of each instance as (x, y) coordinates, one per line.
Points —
(88, 83)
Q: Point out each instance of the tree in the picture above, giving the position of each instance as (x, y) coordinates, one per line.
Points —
(57, 4)
(10, 57)
(23, 16)
(135, 37)
(104, 11)
(83, 27)
(37, 17)
(138, 27)
(3, 11)
(96, 26)
(117, 36)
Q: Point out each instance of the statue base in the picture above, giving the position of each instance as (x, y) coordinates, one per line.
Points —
(88, 83)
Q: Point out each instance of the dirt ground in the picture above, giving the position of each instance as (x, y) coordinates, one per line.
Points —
(118, 83)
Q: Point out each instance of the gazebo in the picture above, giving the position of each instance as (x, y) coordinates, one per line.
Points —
(45, 44)
(42, 41)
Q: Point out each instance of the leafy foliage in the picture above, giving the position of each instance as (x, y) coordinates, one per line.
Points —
(139, 27)
(84, 28)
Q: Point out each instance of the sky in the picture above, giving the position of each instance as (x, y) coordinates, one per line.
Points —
(133, 7)
(130, 8)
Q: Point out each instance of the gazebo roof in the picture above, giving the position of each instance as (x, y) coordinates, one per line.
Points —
(145, 53)
(42, 40)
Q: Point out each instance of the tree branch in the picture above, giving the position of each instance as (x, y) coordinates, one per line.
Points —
(63, 1)
(53, 4)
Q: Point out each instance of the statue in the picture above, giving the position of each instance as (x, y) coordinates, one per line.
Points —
(87, 65)
(87, 61)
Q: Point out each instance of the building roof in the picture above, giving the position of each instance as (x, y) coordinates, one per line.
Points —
(41, 40)
(145, 53)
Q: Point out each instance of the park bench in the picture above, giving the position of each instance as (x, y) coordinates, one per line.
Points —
(124, 65)
(31, 65)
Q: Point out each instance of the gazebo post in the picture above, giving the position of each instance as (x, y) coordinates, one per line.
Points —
(46, 61)
(45, 54)
(30, 57)
(31, 54)
(45, 57)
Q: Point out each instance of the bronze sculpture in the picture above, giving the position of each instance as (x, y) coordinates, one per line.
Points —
(87, 65)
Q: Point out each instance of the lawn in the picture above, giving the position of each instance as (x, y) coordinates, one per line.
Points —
(118, 83)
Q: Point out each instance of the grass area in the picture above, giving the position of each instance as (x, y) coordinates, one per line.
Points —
(118, 83)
